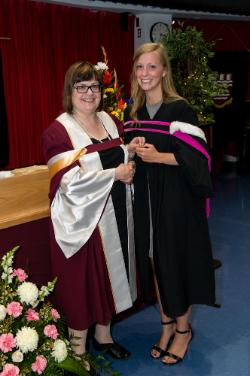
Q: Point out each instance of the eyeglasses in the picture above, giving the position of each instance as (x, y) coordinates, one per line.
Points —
(95, 88)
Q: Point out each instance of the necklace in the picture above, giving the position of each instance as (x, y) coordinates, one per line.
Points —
(79, 121)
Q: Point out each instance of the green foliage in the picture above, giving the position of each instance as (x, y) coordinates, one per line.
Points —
(189, 54)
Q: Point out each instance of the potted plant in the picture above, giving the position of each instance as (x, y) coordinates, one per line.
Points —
(190, 54)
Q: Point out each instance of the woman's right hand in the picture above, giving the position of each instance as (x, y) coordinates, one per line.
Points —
(137, 141)
(125, 172)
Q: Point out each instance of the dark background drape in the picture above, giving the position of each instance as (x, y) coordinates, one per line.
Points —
(39, 41)
(44, 40)
(4, 145)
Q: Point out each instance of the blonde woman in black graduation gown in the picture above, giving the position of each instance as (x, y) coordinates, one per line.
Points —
(171, 187)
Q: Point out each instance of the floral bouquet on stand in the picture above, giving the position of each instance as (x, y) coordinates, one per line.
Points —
(33, 337)
(113, 101)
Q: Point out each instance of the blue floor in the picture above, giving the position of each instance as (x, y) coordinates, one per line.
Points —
(221, 344)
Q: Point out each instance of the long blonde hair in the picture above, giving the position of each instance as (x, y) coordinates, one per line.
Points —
(169, 92)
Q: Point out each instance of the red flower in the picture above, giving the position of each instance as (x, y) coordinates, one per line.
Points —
(106, 77)
(121, 104)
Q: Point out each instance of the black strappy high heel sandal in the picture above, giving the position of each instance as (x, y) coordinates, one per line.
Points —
(174, 356)
(157, 348)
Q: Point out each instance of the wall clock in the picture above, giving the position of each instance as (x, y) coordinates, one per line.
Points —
(157, 30)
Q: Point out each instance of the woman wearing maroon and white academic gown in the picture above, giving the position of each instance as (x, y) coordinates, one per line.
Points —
(92, 245)
(92, 226)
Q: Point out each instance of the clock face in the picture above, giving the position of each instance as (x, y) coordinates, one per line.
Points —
(157, 31)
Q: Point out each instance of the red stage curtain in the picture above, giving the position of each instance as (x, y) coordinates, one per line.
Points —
(45, 40)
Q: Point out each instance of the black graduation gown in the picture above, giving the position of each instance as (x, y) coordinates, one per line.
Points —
(181, 243)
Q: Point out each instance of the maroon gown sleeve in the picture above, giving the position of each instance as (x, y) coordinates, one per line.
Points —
(55, 140)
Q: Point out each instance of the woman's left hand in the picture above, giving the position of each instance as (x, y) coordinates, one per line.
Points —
(148, 153)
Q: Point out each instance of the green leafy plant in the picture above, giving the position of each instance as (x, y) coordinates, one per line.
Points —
(190, 54)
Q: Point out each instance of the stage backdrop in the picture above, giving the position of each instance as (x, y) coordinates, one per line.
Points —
(38, 42)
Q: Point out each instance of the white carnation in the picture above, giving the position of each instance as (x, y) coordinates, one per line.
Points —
(17, 356)
(2, 312)
(59, 351)
(101, 66)
(28, 292)
(27, 339)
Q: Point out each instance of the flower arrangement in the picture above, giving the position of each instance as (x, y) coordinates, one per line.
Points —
(32, 332)
(113, 101)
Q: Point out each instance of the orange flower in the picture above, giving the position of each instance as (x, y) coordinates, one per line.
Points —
(121, 104)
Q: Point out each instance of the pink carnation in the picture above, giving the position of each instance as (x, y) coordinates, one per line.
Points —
(32, 315)
(20, 274)
(7, 342)
(10, 370)
(55, 314)
(40, 364)
(14, 309)
(51, 331)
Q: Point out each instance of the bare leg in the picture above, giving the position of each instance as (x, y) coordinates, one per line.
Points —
(78, 340)
(181, 340)
(167, 330)
(78, 343)
(102, 333)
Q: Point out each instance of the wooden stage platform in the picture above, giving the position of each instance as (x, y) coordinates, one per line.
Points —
(24, 220)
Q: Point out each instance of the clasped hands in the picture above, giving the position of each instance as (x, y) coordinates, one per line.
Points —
(147, 152)
(125, 172)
